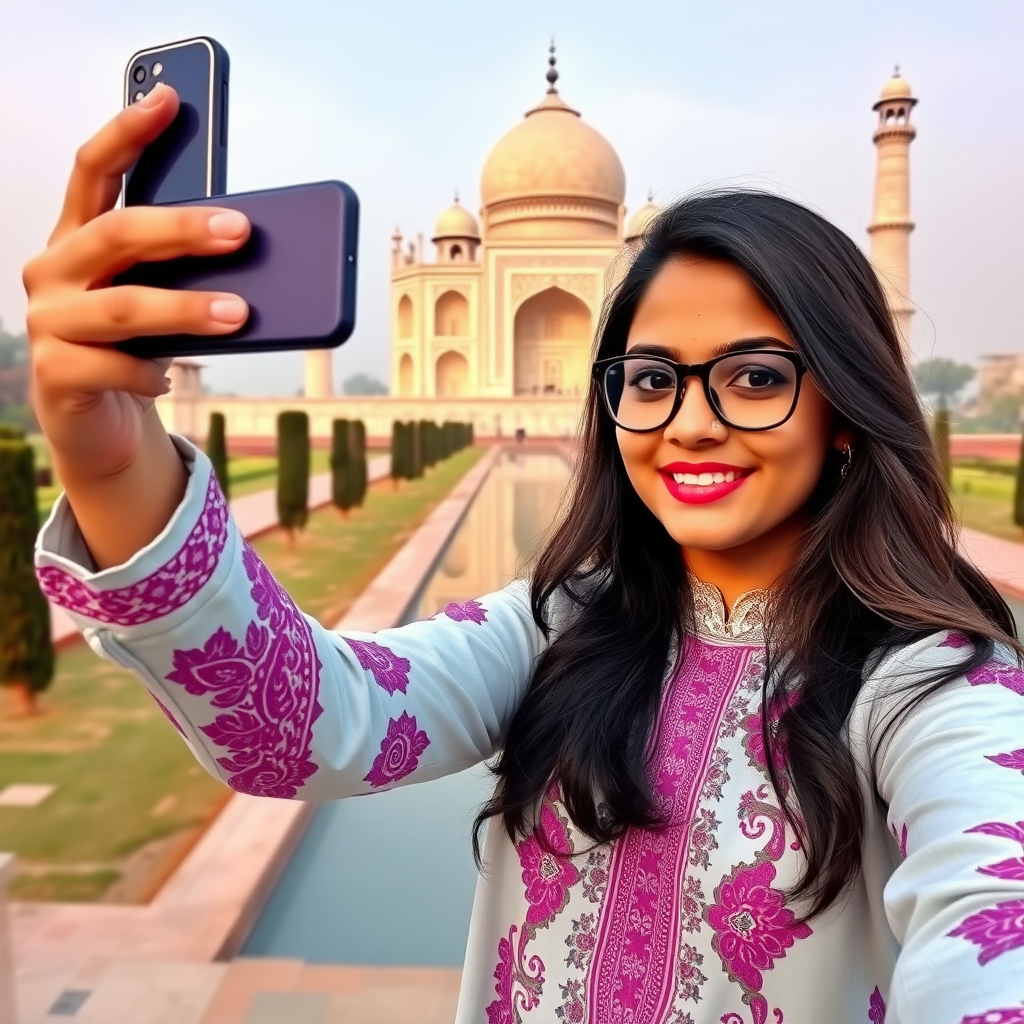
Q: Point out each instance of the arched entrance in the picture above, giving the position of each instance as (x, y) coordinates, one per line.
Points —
(451, 315)
(405, 386)
(551, 344)
(405, 325)
(451, 379)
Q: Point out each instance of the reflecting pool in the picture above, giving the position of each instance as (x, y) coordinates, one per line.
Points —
(389, 879)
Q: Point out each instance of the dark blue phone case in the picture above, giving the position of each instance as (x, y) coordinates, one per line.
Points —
(297, 272)
(189, 160)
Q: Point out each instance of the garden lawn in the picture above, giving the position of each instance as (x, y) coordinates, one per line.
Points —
(130, 800)
(984, 501)
(247, 474)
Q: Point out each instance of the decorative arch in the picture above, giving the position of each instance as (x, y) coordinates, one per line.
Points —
(552, 340)
(451, 375)
(405, 317)
(405, 376)
(451, 315)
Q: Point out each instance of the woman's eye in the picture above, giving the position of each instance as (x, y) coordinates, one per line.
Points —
(653, 380)
(757, 377)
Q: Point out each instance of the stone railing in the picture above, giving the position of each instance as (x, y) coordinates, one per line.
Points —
(8, 1012)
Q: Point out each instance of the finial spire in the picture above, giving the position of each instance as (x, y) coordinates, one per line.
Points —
(456, 197)
(896, 71)
(552, 75)
(650, 195)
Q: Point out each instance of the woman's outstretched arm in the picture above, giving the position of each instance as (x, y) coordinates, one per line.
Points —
(269, 700)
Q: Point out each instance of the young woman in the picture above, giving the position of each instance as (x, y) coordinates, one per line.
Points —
(758, 726)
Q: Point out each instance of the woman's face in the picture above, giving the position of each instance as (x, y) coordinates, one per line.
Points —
(693, 309)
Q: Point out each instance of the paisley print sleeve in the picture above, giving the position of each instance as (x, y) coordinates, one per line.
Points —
(949, 775)
(269, 700)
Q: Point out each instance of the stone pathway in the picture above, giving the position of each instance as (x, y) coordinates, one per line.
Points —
(255, 514)
(1002, 561)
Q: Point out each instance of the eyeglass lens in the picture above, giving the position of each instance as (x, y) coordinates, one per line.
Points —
(754, 390)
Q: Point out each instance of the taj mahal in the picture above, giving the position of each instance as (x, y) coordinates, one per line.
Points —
(495, 325)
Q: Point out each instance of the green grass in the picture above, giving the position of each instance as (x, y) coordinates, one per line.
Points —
(248, 474)
(984, 501)
(130, 799)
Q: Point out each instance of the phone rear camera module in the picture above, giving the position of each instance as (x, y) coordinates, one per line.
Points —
(139, 74)
(138, 96)
(157, 69)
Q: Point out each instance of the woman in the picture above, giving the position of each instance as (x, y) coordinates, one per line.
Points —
(758, 725)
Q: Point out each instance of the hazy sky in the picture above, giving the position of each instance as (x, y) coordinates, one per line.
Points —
(404, 100)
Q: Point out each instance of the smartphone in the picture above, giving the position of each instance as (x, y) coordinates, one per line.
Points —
(190, 159)
(297, 271)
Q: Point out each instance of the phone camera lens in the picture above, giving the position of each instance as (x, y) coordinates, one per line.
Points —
(139, 74)
(157, 69)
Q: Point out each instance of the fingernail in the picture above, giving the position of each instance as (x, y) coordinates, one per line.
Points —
(153, 97)
(165, 386)
(229, 310)
(229, 224)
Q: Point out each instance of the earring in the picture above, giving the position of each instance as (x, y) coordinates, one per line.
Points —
(847, 461)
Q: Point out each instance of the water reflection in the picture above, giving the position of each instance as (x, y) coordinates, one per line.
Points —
(502, 531)
(389, 879)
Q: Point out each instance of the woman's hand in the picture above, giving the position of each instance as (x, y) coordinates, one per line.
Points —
(93, 402)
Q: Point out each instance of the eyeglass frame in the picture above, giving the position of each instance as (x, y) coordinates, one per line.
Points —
(702, 371)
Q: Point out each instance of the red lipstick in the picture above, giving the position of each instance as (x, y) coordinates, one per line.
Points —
(699, 483)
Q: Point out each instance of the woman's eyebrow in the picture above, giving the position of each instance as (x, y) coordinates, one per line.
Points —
(739, 345)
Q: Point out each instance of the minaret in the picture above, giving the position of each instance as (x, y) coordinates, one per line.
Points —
(891, 224)
(319, 373)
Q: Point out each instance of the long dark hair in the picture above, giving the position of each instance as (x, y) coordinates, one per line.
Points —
(862, 584)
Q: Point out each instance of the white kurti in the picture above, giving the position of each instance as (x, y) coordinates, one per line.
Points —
(685, 925)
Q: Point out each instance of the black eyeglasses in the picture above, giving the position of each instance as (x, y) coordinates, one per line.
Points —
(755, 390)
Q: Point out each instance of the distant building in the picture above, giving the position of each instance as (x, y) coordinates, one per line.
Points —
(1001, 374)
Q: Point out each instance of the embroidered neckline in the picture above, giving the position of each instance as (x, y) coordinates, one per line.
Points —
(745, 624)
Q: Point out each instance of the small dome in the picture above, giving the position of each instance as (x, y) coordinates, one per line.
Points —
(456, 222)
(639, 221)
(897, 88)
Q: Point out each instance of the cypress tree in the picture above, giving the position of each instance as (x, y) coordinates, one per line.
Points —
(396, 452)
(425, 439)
(26, 647)
(470, 439)
(1018, 494)
(415, 452)
(357, 434)
(940, 437)
(217, 450)
(292, 472)
(342, 470)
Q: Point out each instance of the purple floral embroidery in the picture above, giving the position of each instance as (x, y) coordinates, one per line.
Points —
(399, 751)
(996, 672)
(170, 718)
(164, 591)
(546, 875)
(520, 981)
(876, 1007)
(389, 671)
(1013, 760)
(753, 927)
(267, 686)
(996, 930)
(1013, 1015)
(955, 640)
(466, 611)
(1013, 868)
(900, 837)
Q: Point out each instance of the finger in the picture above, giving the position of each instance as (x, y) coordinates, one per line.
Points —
(95, 181)
(115, 240)
(60, 370)
(131, 311)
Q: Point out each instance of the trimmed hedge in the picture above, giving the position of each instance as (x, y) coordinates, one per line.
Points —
(940, 438)
(292, 470)
(357, 432)
(26, 647)
(217, 450)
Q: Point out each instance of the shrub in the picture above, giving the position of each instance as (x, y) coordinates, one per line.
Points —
(217, 450)
(26, 647)
(397, 451)
(342, 480)
(292, 471)
(361, 474)
(415, 451)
